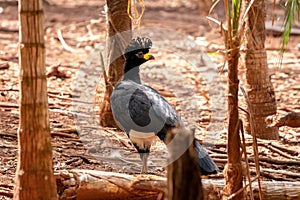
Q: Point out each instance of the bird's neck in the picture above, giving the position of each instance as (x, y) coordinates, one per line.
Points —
(132, 74)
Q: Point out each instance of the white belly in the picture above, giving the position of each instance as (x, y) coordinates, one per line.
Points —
(142, 140)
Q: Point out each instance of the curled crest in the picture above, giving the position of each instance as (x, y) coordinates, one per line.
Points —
(137, 44)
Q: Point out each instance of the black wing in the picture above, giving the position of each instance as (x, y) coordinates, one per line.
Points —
(141, 108)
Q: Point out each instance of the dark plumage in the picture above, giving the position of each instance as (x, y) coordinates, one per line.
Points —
(142, 112)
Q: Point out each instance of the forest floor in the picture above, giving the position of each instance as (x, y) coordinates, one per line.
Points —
(181, 72)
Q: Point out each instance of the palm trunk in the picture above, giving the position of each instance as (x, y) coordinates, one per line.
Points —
(34, 176)
(233, 168)
(119, 35)
(258, 85)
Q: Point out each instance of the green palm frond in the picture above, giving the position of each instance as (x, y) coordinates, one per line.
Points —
(292, 7)
(235, 17)
(233, 10)
(236, 10)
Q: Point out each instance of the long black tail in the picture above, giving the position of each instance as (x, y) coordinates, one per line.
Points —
(206, 164)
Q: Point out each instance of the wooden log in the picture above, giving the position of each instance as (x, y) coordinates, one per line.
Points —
(91, 184)
(291, 119)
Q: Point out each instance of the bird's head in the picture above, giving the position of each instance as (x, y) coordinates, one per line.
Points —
(137, 52)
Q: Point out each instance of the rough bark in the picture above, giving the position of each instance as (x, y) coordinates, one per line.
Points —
(184, 174)
(258, 86)
(90, 184)
(233, 168)
(34, 176)
(119, 35)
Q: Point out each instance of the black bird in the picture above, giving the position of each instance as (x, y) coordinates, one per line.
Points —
(142, 112)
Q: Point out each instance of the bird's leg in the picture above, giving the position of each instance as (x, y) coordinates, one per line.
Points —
(144, 157)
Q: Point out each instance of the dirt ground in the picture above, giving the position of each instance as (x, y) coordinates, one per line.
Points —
(75, 34)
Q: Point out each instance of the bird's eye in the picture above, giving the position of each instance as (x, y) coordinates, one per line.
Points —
(140, 54)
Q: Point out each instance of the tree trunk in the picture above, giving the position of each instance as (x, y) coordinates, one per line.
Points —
(34, 176)
(184, 174)
(258, 85)
(233, 168)
(119, 36)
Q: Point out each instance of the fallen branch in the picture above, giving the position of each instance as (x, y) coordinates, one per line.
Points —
(8, 105)
(276, 150)
(284, 149)
(4, 66)
(69, 99)
(264, 159)
(6, 193)
(272, 146)
(266, 143)
(89, 184)
(9, 30)
(282, 172)
(276, 161)
(66, 130)
(65, 135)
(60, 134)
(85, 158)
(291, 119)
(62, 92)
(8, 147)
(13, 135)
(123, 141)
(273, 176)
(9, 89)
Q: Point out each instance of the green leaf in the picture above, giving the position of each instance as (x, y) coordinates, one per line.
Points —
(236, 8)
(292, 7)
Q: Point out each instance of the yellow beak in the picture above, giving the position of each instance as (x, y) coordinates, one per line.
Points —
(148, 56)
